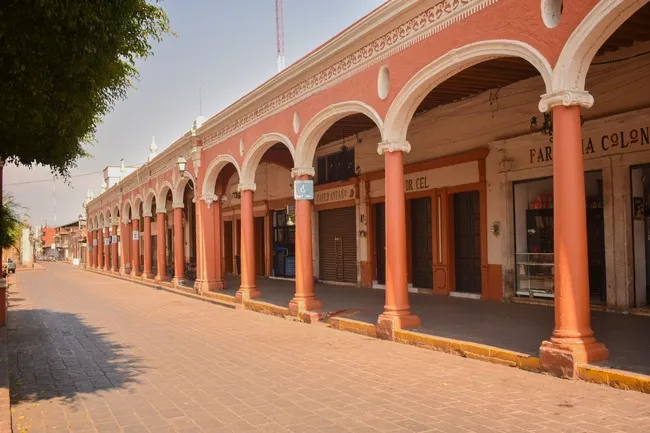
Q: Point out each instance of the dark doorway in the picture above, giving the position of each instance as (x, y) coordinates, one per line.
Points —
(227, 246)
(380, 244)
(467, 241)
(338, 245)
(421, 243)
(260, 268)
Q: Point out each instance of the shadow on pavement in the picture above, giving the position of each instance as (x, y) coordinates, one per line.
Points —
(56, 354)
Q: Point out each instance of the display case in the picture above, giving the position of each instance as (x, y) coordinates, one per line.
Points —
(535, 275)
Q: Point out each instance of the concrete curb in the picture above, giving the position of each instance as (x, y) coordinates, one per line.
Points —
(604, 376)
(5, 402)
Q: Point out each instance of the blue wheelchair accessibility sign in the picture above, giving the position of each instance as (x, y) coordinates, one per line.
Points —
(303, 190)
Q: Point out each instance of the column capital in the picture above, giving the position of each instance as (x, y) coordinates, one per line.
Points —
(161, 210)
(566, 98)
(126, 221)
(178, 205)
(303, 171)
(147, 214)
(246, 187)
(209, 199)
(393, 146)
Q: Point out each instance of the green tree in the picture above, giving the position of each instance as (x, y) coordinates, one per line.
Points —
(63, 65)
(10, 223)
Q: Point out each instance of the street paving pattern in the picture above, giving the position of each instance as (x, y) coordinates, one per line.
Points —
(91, 353)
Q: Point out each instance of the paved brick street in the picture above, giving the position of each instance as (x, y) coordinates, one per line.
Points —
(89, 353)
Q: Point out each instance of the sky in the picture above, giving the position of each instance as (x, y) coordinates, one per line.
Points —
(225, 48)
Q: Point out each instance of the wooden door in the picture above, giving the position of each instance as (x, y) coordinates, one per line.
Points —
(422, 243)
(380, 244)
(258, 229)
(338, 245)
(467, 241)
(227, 246)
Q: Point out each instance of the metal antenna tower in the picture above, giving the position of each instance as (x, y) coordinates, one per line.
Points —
(279, 28)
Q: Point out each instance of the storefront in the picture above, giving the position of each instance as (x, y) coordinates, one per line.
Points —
(617, 192)
(444, 225)
(284, 243)
(337, 232)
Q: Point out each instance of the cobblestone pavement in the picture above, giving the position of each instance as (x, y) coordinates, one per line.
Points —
(90, 353)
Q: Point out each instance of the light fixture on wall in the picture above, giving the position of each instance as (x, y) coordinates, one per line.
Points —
(180, 162)
(224, 199)
(546, 128)
(236, 194)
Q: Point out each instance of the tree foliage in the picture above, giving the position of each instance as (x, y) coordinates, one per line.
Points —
(63, 65)
(10, 225)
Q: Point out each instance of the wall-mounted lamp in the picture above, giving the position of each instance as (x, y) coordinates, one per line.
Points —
(496, 228)
(236, 194)
(362, 233)
(224, 199)
(180, 162)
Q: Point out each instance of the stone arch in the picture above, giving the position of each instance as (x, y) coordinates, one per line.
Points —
(601, 22)
(115, 214)
(148, 201)
(321, 122)
(211, 174)
(179, 188)
(100, 221)
(128, 206)
(107, 217)
(256, 152)
(135, 207)
(161, 197)
(429, 77)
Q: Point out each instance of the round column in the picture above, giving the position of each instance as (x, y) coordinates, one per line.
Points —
(573, 340)
(114, 256)
(125, 239)
(248, 288)
(179, 256)
(304, 299)
(161, 244)
(134, 239)
(148, 248)
(107, 249)
(397, 313)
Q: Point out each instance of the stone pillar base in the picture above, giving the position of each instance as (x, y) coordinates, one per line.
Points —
(247, 293)
(561, 358)
(301, 305)
(161, 279)
(208, 286)
(176, 281)
(388, 323)
(146, 276)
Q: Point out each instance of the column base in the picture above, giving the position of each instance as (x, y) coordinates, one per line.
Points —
(300, 305)
(146, 276)
(247, 293)
(161, 278)
(201, 286)
(387, 323)
(176, 281)
(560, 357)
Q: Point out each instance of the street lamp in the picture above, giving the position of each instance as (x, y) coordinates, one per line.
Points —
(180, 162)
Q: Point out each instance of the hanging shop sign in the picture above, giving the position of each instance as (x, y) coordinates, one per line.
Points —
(335, 195)
(303, 190)
(613, 142)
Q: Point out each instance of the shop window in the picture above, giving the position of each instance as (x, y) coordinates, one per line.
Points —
(284, 244)
(335, 166)
(640, 180)
(534, 245)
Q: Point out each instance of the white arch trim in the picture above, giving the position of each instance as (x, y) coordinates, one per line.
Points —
(211, 174)
(125, 209)
(162, 193)
(429, 77)
(148, 202)
(256, 152)
(320, 123)
(179, 186)
(600, 23)
(135, 206)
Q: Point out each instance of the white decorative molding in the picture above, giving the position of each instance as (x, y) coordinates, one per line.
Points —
(161, 210)
(566, 98)
(146, 214)
(178, 205)
(427, 23)
(209, 199)
(393, 146)
(303, 171)
(246, 187)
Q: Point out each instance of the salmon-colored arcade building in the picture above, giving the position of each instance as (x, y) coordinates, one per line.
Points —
(430, 174)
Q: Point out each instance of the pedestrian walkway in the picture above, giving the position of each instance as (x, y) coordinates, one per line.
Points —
(517, 327)
(90, 353)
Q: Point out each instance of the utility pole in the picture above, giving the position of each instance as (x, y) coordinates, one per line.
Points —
(279, 29)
